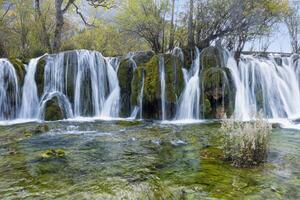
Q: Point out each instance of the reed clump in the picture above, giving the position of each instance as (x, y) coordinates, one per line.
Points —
(245, 144)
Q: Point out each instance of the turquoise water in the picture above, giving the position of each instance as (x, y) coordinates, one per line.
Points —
(138, 160)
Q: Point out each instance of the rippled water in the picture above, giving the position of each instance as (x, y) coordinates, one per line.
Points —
(139, 160)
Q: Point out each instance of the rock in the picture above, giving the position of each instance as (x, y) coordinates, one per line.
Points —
(52, 153)
(152, 86)
(212, 57)
(129, 80)
(52, 111)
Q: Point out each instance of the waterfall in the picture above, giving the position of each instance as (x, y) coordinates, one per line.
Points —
(83, 83)
(134, 112)
(162, 87)
(9, 91)
(130, 58)
(63, 103)
(30, 99)
(91, 68)
(178, 53)
(112, 104)
(264, 84)
(189, 107)
(141, 96)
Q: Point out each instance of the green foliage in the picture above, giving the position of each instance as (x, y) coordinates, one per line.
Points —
(145, 19)
(246, 143)
(105, 38)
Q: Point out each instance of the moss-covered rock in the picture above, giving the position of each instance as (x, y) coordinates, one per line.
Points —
(212, 57)
(20, 69)
(152, 85)
(53, 111)
(53, 153)
(39, 76)
(43, 128)
(216, 83)
(129, 80)
(125, 76)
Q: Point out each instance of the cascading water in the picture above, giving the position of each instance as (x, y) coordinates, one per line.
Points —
(83, 83)
(263, 84)
(63, 103)
(91, 68)
(189, 108)
(162, 87)
(30, 99)
(134, 112)
(9, 91)
(130, 58)
(178, 53)
(112, 104)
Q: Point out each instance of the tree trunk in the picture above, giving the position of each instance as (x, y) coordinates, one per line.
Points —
(191, 42)
(3, 53)
(172, 31)
(59, 23)
(44, 36)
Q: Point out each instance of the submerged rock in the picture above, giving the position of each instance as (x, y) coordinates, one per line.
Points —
(53, 153)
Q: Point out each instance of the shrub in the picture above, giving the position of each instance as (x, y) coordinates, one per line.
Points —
(245, 143)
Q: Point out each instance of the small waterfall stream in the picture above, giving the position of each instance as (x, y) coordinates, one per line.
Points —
(189, 105)
(112, 104)
(30, 99)
(162, 87)
(9, 91)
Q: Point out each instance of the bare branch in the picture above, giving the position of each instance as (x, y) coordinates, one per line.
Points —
(82, 17)
(6, 11)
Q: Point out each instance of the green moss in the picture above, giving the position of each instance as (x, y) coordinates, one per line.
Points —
(39, 76)
(43, 128)
(136, 85)
(174, 78)
(125, 76)
(152, 81)
(129, 123)
(20, 69)
(52, 153)
(212, 57)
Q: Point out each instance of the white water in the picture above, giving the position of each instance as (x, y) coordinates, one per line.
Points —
(9, 91)
(189, 105)
(178, 53)
(134, 113)
(91, 78)
(162, 87)
(63, 103)
(91, 67)
(112, 104)
(279, 87)
(30, 99)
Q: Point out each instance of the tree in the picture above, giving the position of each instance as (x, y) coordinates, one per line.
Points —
(145, 19)
(41, 19)
(236, 20)
(292, 21)
(191, 43)
(172, 29)
(61, 10)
